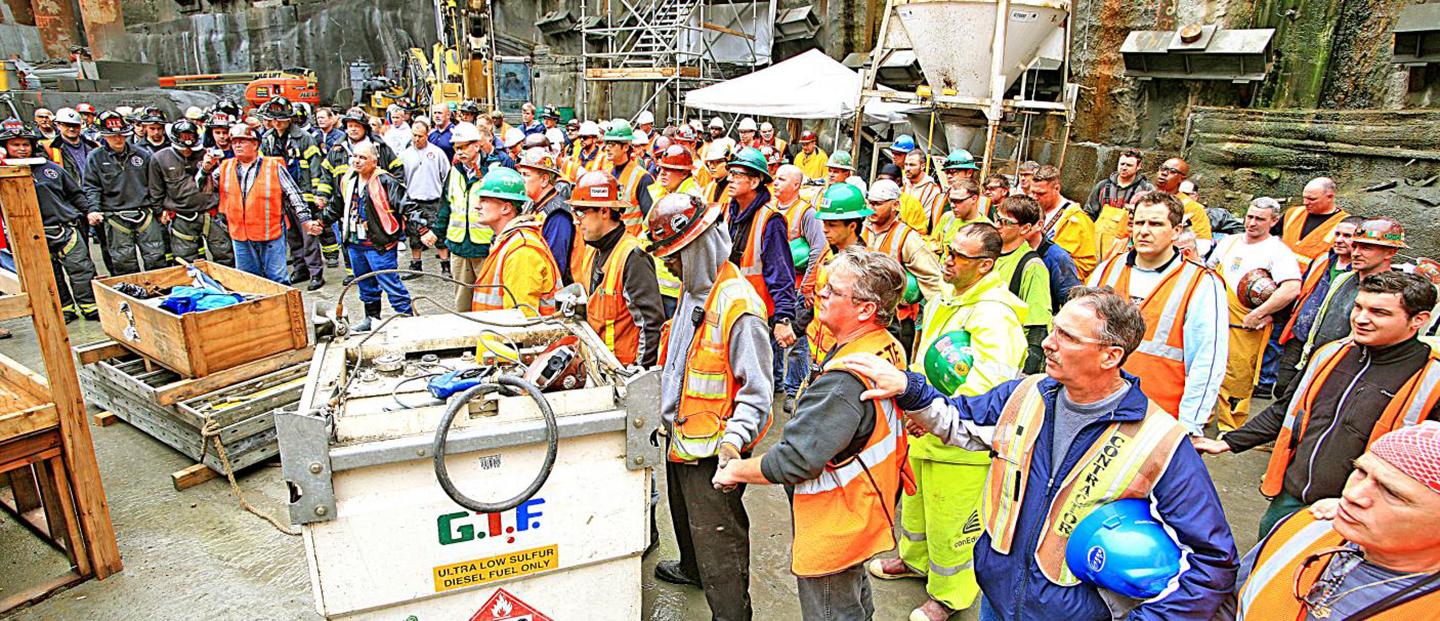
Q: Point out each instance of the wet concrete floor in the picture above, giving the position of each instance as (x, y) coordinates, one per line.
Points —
(196, 555)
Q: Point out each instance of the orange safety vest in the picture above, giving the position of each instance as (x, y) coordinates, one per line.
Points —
(1314, 244)
(257, 215)
(708, 387)
(847, 514)
(492, 295)
(929, 199)
(1125, 462)
(582, 255)
(1159, 361)
(1317, 270)
(714, 194)
(892, 243)
(1279, 571)
(1409, 406)
(629, 181)
(793, 215)
(750, 266)
(607, 312)
(820, 338)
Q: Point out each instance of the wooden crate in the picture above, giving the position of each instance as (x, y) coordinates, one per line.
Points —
(201, 343)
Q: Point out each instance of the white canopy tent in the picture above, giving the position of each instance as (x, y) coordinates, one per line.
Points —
(808, 86)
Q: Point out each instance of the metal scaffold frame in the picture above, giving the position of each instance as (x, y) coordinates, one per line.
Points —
(642, 42)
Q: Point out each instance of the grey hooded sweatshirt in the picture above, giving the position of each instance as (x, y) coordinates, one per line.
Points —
(750, 353)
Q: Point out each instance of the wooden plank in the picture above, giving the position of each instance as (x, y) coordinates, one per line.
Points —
(75, 544)
(191, 388)
(23, 488)
(32, 262)
(186, 478)
(102, 350)
(23, 382)
(729, 31)
(28, 421)
(640, 73)
(28, 450)
(40, 591)
(14, 305)
(9, 282)
(105, 419)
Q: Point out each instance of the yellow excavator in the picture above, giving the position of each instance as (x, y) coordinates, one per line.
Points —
(457, 68)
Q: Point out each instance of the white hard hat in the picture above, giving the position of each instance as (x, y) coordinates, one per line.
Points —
(884, 190)
(124, 111)
(717, 122)
(747, 124)
(194, 113)
(605, 126)
(556, 135)
(639, 137)
(590, 128)
(644, 118)
(68, 116)
(767, 127)
(716, 151)
(513, 136)
(464, 132)
(697, 125)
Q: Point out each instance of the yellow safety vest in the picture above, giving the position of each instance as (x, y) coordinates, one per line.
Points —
(464, 199)
(669, 283)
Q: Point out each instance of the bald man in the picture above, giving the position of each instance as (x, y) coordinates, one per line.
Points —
(1168, 179)
(1309, 230)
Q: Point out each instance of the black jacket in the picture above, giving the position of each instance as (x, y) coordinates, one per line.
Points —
(337, 163)
(402, 208)
(1364, 381)
(171, 179)
(641, 290)
(142, 143)
(117, 181)
(61, 156)
(301, 154)
(61, 201)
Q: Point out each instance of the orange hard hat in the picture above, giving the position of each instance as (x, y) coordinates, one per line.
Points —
(1429, 269)
(677, 220)
(677, 157)
(1381, 231)
(596, 188)
(1255, 288)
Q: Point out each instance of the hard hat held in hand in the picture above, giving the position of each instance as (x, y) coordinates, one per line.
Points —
(1121, 547)
(948, 361)
(1255, 288)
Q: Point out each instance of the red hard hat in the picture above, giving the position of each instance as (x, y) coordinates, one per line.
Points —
(85, 108)
(677, 158)
(596, 188)
(1429, 269)
(685, 134)
(808, 136)
(660, 145)
(677, 220)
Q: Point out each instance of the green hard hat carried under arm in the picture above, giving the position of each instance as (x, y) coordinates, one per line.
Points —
(843, 201)
(948, 361)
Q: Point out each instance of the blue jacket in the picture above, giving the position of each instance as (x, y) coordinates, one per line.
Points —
(1184, 498)
(1063, 275)
(775, 264)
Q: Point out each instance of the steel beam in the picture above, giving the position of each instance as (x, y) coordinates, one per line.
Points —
(55, 19)
(105, 27)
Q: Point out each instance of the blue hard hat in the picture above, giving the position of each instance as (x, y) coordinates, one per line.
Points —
(1120, 546)
(904, 143)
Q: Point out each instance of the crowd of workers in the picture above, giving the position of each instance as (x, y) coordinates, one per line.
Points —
(937, 342)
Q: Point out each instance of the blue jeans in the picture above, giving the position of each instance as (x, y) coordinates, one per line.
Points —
(366, 259)
(265, 259)
(1270, 364)
(798, 358)
(987, 612)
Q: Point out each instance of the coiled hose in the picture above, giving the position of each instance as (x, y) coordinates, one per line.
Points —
(552, 440)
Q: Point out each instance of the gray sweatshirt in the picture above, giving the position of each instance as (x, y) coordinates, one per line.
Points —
(750, 356)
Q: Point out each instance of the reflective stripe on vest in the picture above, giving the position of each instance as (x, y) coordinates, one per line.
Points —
(464, 223)
(820, 337)
(708, 387)
(1124, 462)
(1408, 407)
(846, 514)
(1316, 243)
(607, 312)
(750, 266)
(1269, 593)
(491, 295)
(892, 242)
(264, 199)
(1159, 361)
(629, 181)
(669, 283)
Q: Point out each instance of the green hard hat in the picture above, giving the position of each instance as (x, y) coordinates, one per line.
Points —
(752, 159)
(843, 201)
(960, 159)
(840, 159)
(948, 361)
(503, 183)
(620, 131)
(799, 252)
(912, 289)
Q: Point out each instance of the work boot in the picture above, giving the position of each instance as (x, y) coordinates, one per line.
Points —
(299, 274)
(445, 268)
(1264, 391)
(372, 313)
(332, 259)
(69, 316)
(316, 283)
(93, 315)
(789, 406)
(931, 610)
(416, 266)
(669, 571)
(891, 569)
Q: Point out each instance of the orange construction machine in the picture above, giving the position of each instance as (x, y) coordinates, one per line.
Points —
(298, 85)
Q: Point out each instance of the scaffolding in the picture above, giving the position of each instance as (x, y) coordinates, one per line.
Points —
(667, 43)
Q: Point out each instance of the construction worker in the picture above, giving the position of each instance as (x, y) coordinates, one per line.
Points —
(633, 179)
(1372, 251)
(972, 341)
(747, 130)
(585, 153)
(427, 172)
(840, 168)
(62, 206)
(397, 135)
(303, 162)
(1053, 428)
(335, 164)
(760, 246)
(675, 167)
(769, 139)
(1063, 275)
(807, 245)
(458, 221)
(922, 201)
(624, 307)
(1351, 392)
(174, 183)
(1374, 553)
(715, 400)
(645, 122)
(1168, 178)
(256, 196)
(45, 124)
(712, 174)
(520, 271)
(1024, 175)
(841, 459)
(370, 206)
(69, 148)
(811, 159)
(1112, 194)
(90, 116)
(958, 166)
(492, 151)
(1065, 220)
(884, 232)
(842, 215)
(1314, 289)
(996, 189)
(1181, 361)
(961, 207)
(540, 172)
(899, 148)
(1023, 270)
(1234, 258)
(1307, 229)
(150, 136)
(116, 186)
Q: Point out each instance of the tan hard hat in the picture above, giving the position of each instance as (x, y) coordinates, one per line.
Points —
(1381, 231)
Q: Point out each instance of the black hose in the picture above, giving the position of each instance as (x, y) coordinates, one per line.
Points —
(552, 440)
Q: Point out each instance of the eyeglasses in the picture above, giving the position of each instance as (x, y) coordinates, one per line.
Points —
(1318, 594)
(957, 255)
(1171, 169)
(1003, 221)
(996, 188)
(828, 291)
(960, 200)
(1076, 339)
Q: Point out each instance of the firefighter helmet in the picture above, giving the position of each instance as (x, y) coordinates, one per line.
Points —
(112, 124)
(677, 220)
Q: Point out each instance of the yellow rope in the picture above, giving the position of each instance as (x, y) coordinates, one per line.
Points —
(210, 431)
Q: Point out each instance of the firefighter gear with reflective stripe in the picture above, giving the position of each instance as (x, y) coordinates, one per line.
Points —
(522, 263)
(1318, 242)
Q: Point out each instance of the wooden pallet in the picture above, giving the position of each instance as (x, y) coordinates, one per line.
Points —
(180, 412)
